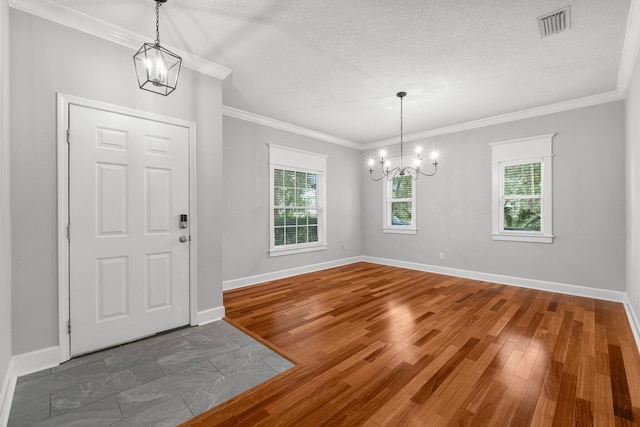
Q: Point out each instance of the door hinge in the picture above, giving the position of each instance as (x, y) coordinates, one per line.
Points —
(68, 232)
(68, 136)
(69, 327)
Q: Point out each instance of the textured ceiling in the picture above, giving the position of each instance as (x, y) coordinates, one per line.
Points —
(334, 66)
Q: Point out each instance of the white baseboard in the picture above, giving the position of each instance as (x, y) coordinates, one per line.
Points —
(633, 321)
(562, 288)
(24, 364)
(282, 274)
(34, 361)
(210, 315)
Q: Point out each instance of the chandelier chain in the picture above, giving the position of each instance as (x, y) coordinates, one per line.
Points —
(401, 141)
(401, 120)
(158, 23)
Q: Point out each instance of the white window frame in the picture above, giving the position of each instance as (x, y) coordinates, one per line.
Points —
(300, 161)
(387, 226)
(536, 149)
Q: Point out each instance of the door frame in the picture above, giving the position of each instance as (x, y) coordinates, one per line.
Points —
(64, 101)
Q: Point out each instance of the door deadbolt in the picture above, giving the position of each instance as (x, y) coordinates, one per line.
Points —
(183, 221)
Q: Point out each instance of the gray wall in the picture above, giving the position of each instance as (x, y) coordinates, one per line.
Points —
(632, 125)
(5, 226)
(246, 199)
(47, 58)
(454, 207)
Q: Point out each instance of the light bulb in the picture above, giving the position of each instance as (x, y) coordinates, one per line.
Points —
(418, 149)
(417, 163)
(156, 70)
(382, 153)
(371, 162)
(434, 156)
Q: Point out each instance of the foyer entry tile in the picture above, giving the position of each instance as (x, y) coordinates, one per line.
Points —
(84, 393)
(150, 394)
(159, 381)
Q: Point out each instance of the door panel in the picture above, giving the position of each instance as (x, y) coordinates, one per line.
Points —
(128, 186)
(112, 288)
(112, 197)
(157, 281)
(158, 201)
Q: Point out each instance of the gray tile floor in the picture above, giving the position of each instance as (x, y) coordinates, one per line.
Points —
(159, 381)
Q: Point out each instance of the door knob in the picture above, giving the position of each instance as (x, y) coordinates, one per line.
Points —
(183, 239)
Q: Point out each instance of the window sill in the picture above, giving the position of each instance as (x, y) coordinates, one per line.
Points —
(522, 237)
(408, 230)
(296, 250)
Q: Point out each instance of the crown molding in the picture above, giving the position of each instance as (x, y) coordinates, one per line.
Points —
(573, 104)
(277, 124)
(630, 48)
(104, 30)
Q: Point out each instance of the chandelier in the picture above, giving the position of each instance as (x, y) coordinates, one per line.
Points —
(402, 170)
(156, 67)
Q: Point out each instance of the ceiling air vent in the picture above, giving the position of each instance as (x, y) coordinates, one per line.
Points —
(555, 22)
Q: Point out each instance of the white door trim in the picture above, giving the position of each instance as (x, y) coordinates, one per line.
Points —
(63, 103)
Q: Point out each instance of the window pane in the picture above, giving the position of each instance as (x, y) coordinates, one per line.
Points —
(311, 180)
(309, 197)
(291, 235)
(278, 177)
(290, 217)
(299, 199)
(313, 234)
(301, 215)
(313, 216)
(522, 215)
(289, 179)
(522, 180)
(289, 197)
(278, 217)
(301, 179)
(278, 196)
(401, 213)
(302, 234)
(279, 236)
(401, 187)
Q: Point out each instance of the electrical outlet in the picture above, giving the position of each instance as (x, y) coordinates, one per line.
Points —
(344, 248)
(441, 255)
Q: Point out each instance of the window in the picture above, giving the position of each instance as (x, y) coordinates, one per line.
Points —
(522, 189)
(297, 216)
(295, 213)
(400, 205)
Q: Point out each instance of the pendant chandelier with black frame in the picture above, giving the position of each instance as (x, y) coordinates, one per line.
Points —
(157, 68)
(402, 170)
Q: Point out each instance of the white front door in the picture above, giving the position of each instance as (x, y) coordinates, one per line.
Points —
(128, 252)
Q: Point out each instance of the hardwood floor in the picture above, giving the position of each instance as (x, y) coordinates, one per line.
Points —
(384, 346)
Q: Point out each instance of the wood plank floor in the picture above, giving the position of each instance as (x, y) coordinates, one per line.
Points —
(384, 346)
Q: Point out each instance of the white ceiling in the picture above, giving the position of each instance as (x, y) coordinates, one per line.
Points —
(334, 66)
